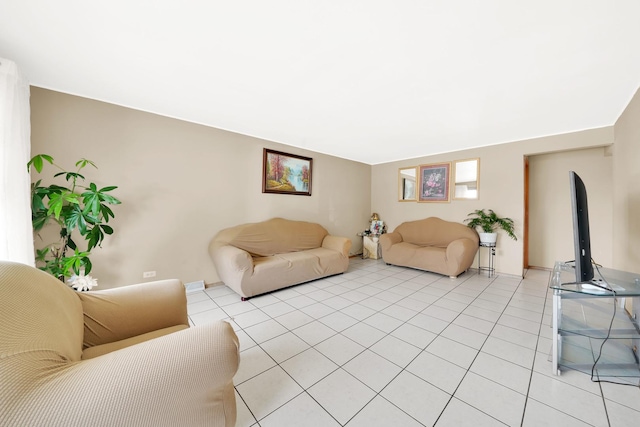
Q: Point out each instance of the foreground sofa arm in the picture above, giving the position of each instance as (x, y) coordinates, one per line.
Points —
(338, 244)
(183, 378)
(115, 314)
(232, 264)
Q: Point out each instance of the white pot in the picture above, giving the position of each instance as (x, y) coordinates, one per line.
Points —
(488, 237)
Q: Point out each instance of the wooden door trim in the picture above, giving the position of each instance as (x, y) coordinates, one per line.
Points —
(525, 232)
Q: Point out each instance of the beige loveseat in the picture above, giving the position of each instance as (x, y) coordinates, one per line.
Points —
(431, 244)
(261, 257)
(118, 357)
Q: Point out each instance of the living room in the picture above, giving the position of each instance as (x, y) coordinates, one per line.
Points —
(352, 190)
(160, 228)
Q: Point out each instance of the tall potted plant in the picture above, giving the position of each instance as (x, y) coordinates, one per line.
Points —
(73, 208)
(488, 221)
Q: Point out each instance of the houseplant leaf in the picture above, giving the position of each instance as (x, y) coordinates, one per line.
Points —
(78, 210)
(489, 222)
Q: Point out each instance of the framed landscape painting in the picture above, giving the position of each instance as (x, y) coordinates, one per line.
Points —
(434, 182)
(285, 173)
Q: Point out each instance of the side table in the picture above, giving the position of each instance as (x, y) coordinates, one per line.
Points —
(492, 253)
(370, 247)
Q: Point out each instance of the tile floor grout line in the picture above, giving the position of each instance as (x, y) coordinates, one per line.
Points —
(338, 367)
(523, 303)
(471, 364)
(524, 411)
(452, 395)
(568, 384)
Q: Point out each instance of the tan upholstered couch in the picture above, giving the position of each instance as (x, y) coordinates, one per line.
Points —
(118, 357)
(261, 257)
(431, 244)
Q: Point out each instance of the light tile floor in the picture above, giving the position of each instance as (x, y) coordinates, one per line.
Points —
(387, 346)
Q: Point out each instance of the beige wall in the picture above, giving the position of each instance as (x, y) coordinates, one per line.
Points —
(501, 187)
(550, 219)
(626, 189)
(180, 183)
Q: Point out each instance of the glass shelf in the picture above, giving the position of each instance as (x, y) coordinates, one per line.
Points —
(583, 319)
(583, 329)
(623, 283)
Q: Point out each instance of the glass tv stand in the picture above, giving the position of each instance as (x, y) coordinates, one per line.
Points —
(583, 318)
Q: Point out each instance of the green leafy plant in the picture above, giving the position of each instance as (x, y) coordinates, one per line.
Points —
(489, 221)
(74, 207)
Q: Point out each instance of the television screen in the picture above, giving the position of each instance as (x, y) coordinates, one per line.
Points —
(581, 238)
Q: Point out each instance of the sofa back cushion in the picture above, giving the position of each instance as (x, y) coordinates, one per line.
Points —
(275, 236)
(434, 232)
(40, 317)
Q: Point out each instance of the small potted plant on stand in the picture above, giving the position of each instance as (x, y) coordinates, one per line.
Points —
(488, 221)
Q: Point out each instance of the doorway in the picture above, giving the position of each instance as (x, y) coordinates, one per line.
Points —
(548, 227)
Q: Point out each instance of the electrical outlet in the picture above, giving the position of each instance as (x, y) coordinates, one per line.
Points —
(194, 286)
(148, 274)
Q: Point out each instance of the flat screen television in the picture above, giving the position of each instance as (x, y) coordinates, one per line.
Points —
(581, 238)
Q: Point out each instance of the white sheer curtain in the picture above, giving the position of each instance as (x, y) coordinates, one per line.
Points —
(16, 236)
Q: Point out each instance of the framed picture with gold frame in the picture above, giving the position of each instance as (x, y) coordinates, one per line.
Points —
(434, 182)
(284, 173)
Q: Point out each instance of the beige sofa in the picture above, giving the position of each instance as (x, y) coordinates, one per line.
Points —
(431, 244)
(256, 258)
(117, 357)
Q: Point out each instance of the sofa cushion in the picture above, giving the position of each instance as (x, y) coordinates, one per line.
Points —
(430, 258)
(297, 267)
(99, 350)
(275, 236)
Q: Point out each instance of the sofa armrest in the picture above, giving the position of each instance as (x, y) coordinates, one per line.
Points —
(184, 378)
(389, 239)
(115, 314)
(336, 243)
(461, 251)
(231, 263)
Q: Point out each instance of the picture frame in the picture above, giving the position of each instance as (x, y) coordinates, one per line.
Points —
(284, 173)
(434, 180)
(465, 179)
(377, 227)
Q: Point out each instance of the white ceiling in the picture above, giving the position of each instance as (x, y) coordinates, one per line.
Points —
(369, 80)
